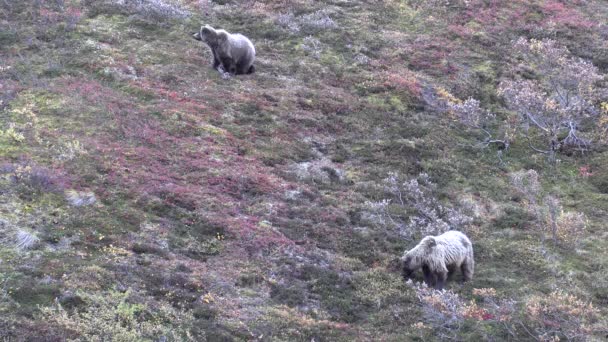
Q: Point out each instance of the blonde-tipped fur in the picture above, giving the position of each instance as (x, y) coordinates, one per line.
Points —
(439, 256)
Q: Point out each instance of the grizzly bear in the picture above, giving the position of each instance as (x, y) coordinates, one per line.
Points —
(234, 52)
(439, 256)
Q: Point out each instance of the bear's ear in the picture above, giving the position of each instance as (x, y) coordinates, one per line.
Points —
(430, 242)
(207, 29)
(222, 35)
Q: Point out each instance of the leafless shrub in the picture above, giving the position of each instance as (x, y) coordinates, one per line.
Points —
(439, 4)
(318, 20)
(80, 198)
(14, 237)
(437, 98)
(471, 115)
(441, 309)
(67, 150)
(428, 216)
(36, 178)
(561, 315)
(562, 91)
(571, 226)
(33, 177)
(431, 216)
(553, 94)
(473, 118)
(527, 182)
(312, 46)
(377, 214)
(361, 59)
(567, 227)
(288, 21)
(160, 9)
(322, 171)
(116, 316)
(154, 10)
(25, 240)
(6, 229)
(445, 313)
(542, 317)
(311, 23)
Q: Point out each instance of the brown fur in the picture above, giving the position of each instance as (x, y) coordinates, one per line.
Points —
(234, 52)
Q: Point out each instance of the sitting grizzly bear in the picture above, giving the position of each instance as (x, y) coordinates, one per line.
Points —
(439, 256)
(234, 52)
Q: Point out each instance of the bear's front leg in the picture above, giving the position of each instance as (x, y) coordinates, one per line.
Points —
(441, 279)
(229, 65)
(216, 58)
(467, 270)
(429, 277)
(407, 274)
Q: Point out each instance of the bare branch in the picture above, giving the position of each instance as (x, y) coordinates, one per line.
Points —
(534, 148)
(562, 95)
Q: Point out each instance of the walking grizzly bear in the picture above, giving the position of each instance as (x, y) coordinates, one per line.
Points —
(439, 256)
(235, 52)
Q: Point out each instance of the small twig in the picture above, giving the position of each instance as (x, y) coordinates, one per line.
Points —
(534, 148)
(528, 331)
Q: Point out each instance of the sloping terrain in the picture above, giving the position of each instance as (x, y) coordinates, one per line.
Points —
(147, 197)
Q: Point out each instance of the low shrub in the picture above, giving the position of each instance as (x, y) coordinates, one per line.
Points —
(153, 10)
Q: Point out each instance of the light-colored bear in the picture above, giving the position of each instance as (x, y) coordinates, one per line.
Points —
(439, 256)
(234, 52)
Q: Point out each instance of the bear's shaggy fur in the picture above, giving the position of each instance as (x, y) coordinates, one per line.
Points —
(439, 256)
(234, 51)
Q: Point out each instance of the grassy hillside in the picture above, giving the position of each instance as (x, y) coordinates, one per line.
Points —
(147, 197)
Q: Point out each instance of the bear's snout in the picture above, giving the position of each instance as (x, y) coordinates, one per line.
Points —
(407, 274)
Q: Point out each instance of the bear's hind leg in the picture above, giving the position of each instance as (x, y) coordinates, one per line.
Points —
(467, 269)
(240, 69)
(243, 69)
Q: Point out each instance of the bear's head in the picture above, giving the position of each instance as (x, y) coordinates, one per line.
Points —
(206, 34)
(412, 260)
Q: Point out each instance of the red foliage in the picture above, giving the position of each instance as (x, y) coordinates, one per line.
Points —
(38, 177)
(460, 31)
(498, 17)
(559, 14)
(585, 171)
(95, 93)
(157, 158)
(486, 316)
(49, 15)
(432, 55)
(190, 181)
(70, 15)
(242, 186)
(173, 99)
(403, 81)
(251, 232)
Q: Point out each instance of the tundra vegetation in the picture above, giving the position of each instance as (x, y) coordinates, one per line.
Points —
(143, 197)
